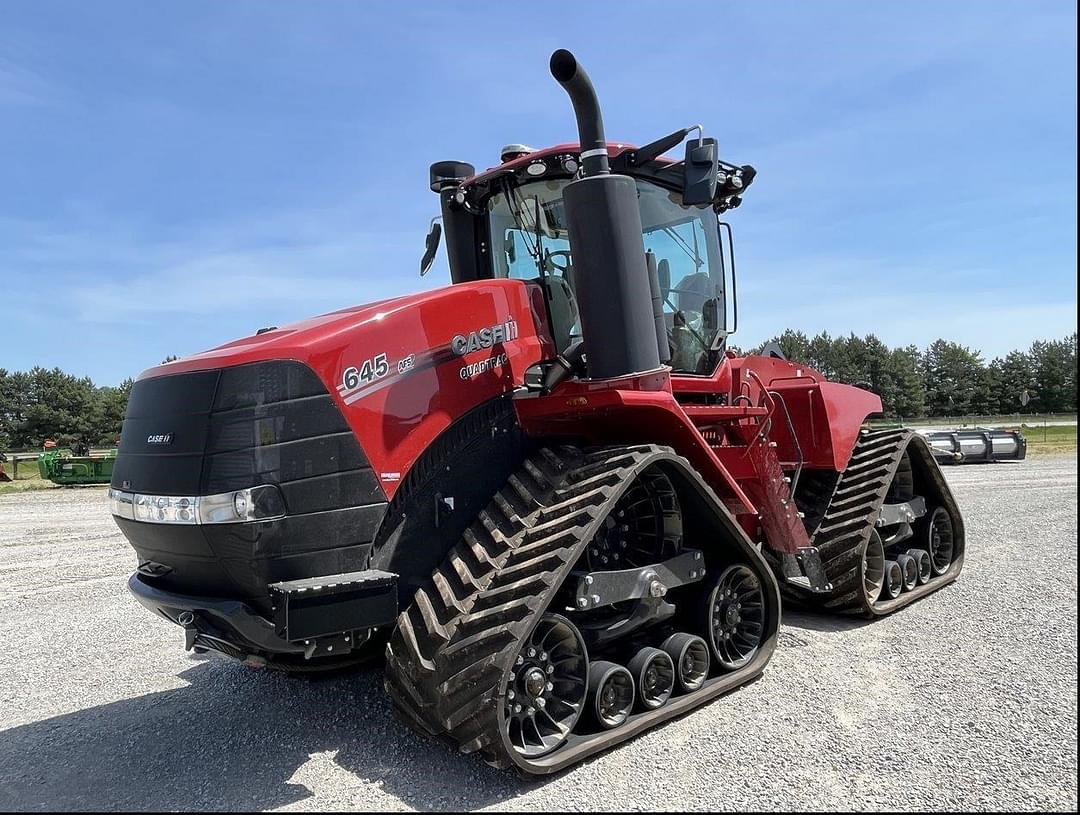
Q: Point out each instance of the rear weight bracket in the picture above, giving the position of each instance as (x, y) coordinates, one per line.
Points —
(596, 589)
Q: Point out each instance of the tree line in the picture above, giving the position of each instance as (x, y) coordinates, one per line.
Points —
(945, 379)
(44, 404)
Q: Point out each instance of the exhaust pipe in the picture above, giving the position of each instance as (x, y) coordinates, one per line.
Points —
(564, 67)
(614, 295)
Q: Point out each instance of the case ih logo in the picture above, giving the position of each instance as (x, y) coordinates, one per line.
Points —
(484, 338)
(159, 438)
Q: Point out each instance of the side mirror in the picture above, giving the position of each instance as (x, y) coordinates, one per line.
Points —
(511, 246)
(699, 172)
(431, 246)
(663, 274)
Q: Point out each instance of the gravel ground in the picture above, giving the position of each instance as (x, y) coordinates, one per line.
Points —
(966, 700)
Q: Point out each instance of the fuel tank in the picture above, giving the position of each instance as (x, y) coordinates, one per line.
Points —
(275, 457)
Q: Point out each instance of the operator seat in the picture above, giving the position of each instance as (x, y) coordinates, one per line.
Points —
(692, 292)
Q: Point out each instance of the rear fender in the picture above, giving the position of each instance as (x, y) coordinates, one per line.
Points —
(826, 416)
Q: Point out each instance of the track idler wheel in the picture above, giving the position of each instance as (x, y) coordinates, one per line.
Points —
(873, 568)
(922, 557)
(654, 675)
(690, 654)
(910, 568)
(894, 580)
(734, 616)
(611, 693)
(547, 687)
(939, 540)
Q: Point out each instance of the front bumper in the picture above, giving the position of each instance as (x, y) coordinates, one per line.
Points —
(230, 621)
(312, 617)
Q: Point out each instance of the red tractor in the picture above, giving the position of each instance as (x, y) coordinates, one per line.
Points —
(566, 511)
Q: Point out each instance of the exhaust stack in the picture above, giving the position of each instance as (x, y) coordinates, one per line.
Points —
(614, 296)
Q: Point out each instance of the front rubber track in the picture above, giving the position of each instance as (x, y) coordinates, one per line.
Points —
(845, 526)
(449, 656)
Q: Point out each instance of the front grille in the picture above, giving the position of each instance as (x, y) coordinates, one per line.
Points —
(235, 428)
(262, 423)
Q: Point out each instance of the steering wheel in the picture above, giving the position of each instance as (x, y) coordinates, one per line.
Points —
(549, 259)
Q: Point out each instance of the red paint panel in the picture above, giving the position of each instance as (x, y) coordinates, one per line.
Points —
(401, 407)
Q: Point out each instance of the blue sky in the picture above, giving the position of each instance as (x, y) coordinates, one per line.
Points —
(177, 175)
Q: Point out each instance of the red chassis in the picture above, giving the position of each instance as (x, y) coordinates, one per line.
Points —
(742, 428)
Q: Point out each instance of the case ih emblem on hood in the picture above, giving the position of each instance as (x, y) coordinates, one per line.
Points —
(484, 338)
(159, 438)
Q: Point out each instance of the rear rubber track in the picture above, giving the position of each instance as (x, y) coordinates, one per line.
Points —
(841, 535)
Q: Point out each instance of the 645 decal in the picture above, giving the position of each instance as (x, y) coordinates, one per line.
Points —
(371, 369)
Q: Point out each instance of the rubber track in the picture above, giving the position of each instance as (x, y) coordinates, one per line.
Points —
(845, 526)
(451, 648)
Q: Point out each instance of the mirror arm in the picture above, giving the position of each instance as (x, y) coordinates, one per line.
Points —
(431, 245)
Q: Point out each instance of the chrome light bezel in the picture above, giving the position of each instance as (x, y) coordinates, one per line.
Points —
(260, 503)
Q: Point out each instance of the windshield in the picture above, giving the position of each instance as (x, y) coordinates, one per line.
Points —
(530, 242)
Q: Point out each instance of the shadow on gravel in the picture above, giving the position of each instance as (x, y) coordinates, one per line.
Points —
(233, 740)
(822, 622)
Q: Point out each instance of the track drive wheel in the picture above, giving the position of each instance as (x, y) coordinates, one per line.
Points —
(546, 689)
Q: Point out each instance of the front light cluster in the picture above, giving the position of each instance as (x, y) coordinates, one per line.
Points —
(262, 503)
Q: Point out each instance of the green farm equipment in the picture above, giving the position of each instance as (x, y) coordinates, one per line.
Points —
(63, 467)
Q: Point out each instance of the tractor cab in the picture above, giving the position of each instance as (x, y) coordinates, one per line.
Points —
(510, 222)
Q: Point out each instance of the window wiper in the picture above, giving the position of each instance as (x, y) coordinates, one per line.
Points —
(693, 254)
(516, 207)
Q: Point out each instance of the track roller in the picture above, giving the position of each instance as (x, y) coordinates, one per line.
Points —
(894, 580)
(690, 654)
(922, 557)
(654, 675)
(611, 693)
(910, 568)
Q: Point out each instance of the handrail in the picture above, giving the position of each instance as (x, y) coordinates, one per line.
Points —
(795, 441)
(771, 398)
(792, 378)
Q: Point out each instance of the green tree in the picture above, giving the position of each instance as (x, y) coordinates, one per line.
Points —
(1054, 365)
(952, 379)
(905, 366)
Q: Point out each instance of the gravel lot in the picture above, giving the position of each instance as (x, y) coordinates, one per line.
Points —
(966, 700)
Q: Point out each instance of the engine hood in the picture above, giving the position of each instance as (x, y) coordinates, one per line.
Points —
(298, 340)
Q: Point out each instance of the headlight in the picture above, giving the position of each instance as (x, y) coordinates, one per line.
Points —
(261, 503)
(122, 504)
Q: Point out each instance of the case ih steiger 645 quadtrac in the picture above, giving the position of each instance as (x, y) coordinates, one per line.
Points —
(564, 508)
